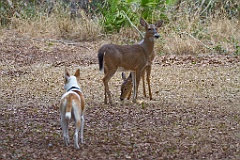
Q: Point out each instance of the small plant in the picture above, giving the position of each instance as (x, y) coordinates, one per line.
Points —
(219, 49)
(237, 49)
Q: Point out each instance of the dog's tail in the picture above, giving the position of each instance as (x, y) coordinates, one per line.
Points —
(68, 109)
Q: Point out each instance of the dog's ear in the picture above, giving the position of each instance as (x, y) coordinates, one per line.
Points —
(77, 73)
(130, 76)
(66, 75)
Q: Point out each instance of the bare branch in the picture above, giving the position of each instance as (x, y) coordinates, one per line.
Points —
(124, 14)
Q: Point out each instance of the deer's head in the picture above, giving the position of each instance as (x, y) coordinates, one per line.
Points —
(126, 86)
(151, 29)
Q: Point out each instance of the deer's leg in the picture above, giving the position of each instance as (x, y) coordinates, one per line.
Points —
(136, 80)
(148, 70)
(106, 79)
(105, 91)
(143, 81)
(134, 85)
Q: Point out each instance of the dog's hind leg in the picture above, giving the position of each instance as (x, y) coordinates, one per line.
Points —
(82, 127)
(78, 124)
(64, 124)
(77, 114)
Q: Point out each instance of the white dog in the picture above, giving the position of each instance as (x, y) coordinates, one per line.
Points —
(72, 105)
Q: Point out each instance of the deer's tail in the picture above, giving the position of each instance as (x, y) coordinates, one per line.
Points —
(100, 58)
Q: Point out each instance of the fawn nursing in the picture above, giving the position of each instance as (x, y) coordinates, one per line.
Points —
(126, 87)
(133, 58)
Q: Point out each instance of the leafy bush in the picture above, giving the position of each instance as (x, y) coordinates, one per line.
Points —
(118, 13)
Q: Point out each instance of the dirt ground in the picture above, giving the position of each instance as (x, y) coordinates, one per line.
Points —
(194, 114)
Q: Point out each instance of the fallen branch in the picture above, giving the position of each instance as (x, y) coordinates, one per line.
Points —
(195, 39)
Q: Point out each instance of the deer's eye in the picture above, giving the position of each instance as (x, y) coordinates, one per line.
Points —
(149, 29)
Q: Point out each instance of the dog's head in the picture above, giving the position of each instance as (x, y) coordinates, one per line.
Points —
(71, 81)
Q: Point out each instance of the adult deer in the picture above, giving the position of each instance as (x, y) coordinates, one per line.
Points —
(134, 58)
(126, 87)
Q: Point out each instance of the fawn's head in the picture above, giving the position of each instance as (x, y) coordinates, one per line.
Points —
(151, 29)
(126, 86)
(71, 81)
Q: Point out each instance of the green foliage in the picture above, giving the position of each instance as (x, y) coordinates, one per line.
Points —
(5, 12)
(28, 11)
(118, 13)
(237, 46)
(114, 15)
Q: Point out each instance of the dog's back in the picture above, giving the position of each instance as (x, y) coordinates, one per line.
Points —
(72, 104)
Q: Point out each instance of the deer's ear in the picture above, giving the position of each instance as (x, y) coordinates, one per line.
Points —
(159, 23)
(77, 73)
(143, 23)
(130, 76)
(123, 76)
